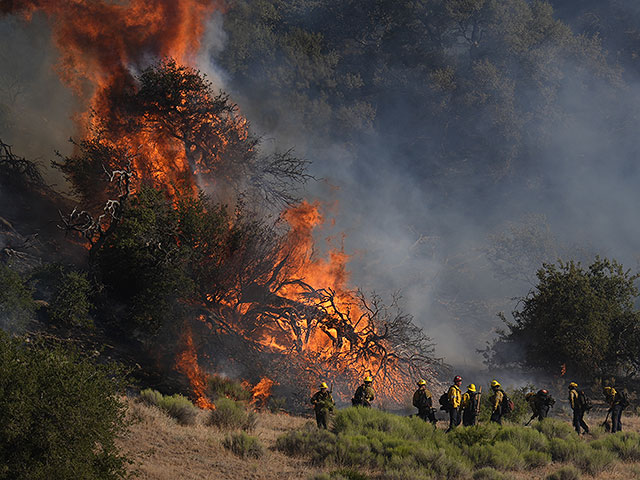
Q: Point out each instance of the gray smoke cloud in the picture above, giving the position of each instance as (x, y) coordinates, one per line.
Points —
(581, 189)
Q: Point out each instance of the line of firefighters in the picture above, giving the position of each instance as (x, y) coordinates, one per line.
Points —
(465, 407)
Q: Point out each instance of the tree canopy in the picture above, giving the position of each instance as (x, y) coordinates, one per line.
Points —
(581, 318)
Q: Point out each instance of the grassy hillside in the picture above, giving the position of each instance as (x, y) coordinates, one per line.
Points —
(376, 445)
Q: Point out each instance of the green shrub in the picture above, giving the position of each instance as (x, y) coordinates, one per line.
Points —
(70, 303)
(565, 473)
(567, 450)
(347, 474)
(533, 459)
(61, 414)
(151, 397)
(593, 461)
(176, 406)
(488, 473)
(553, 428)
(626, 445)
(17, 307)
(523, 439)
(219, 387)
(230, 415)
(180, 408)
(243, 445)
(481, 434)
(276, 404)
(317, 445)
(501, 455)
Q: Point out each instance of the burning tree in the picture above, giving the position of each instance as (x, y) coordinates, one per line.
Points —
(172, 262)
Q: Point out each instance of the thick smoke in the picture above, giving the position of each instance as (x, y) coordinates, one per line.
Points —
(433, 245)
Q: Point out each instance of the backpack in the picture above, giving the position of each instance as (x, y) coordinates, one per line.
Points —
(445, 404)
(507, 405)
(624, 401)
(584, 402)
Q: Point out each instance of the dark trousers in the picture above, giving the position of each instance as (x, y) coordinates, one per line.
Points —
(578, 421)
(616, 418)
(543, 412)
(427, 415)
(469, 418)
(321, 418)
(454, 418)
(496, 416)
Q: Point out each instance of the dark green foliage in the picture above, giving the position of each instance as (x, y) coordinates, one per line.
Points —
(70, 304)
(61, 414)
(583, 318)
(231, 415)
(565, 473)
(17, 307)
(626, 445)
(176, 406)
(243, 445)
(535, 459)
(218, 387)
(488, 473)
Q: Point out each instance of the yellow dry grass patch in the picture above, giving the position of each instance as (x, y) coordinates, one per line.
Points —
(161, 449)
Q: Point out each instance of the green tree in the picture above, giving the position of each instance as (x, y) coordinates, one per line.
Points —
(17, 307)
(582, 318)
(70, 304)
(61, 414)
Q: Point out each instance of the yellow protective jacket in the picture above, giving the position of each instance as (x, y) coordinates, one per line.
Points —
(573, 398)
(496, 399)
(611, 397)
(455, 396)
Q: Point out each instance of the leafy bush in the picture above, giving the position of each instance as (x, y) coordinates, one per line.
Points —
(553, 428)
(488, 473)
(276, 404)
(594, 461)
(243, 445)
(176, 406)
(17, 307)
(535, 459)
(61, 414)
(219, 387)
(565, 473)
(626, 445)
(70, 303)
(501, 455)
(230, 415)
(318, 445)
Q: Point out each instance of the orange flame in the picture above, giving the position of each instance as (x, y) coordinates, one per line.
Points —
(563, 369)
(261, 392)
(187, 363)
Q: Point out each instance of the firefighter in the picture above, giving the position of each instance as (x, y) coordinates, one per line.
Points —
(323, 403)
(496, 402)
(617, 402)
(423, 401)
(579, 405)
(470, 406)
(364, 394)
(455, 401)
(544, 401)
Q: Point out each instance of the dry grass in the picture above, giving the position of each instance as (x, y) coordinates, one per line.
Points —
(164, 450)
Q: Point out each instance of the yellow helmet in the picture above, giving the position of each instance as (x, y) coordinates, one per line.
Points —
(606, 389)
(494, 383)
(324, 385)
(573, 385)
(422, 382)
(471, 387)
(368, 379)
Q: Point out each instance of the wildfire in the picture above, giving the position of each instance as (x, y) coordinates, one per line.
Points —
(187, 363)
(261, 392)
(103, 44)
